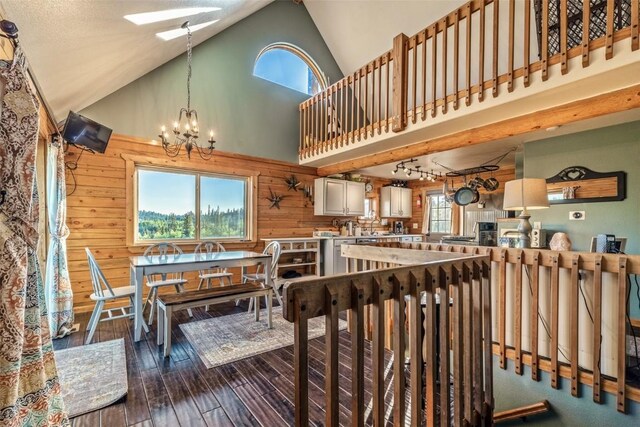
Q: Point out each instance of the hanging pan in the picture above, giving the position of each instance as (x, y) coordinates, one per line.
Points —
(491, 184)
(465, 196)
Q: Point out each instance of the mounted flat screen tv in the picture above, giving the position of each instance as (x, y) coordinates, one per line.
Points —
(83, 132)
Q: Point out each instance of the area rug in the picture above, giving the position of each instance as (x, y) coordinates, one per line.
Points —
(92, 376)
(226, 339)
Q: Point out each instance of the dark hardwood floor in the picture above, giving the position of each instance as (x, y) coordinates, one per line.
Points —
(181, 391)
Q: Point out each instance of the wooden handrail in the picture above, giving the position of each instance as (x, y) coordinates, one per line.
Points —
(414, 77)
(367, 296)
(546, 276)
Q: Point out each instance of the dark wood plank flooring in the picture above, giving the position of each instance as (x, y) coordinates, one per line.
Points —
(181, 391)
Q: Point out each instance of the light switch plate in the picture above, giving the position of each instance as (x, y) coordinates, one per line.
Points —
(537, 225)
(415, 225)
(577, 215)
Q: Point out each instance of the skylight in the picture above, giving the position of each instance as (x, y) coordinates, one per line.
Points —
(172, 34)
(165, 15)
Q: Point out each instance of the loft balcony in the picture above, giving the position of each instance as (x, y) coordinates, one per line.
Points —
(486, 61)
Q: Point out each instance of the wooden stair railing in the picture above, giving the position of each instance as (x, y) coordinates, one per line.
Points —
(465, 279)
(550, 277)
(461, 55)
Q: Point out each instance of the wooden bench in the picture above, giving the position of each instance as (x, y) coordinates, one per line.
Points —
(168, 303)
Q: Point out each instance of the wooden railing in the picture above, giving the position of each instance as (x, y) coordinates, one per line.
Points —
(465, 279)
(481, 46)
(582, 340)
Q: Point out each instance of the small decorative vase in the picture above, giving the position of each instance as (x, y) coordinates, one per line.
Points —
(560, 242)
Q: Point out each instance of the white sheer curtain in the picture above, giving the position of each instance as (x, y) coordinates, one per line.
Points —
(426, 214)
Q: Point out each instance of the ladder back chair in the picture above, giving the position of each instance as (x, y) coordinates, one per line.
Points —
(206, 276)
(156, 281)
(103, 293)
(274, 249)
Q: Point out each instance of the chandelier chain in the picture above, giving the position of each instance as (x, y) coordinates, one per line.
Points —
(188, 67)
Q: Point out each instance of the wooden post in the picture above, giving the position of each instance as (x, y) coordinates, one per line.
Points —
(301, 362)
(331, 352)
(399, 83)
(377, 355)
(357, 354)
(573, 321)
(621, 351)
(415, 336)
(597, 327)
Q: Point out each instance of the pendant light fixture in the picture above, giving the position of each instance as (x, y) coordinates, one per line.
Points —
(186, 129)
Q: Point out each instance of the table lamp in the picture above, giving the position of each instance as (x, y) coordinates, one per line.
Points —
(524, 195)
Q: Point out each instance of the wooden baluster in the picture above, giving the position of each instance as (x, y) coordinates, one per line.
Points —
(483, 17)
(512, 12)
(434, 68)
(331, 351)
(343, 109)
(597, 327)
(535, 303)
(431, 364)
(300, 146)
(458, 347)
(468, 55)
(353, 110)
(545, 40)
(414, 116)
(373, 97)
(357, 354)
(325, 122)
(377, 355)
(478, 397)
(424, 74)
(400, 46)
(496, 27)
(301, 362)
(555, 279)
(586, 26)
(609, 34)
(365, 114)
(635, 40)
(415, 344)
(303, 117)
(527, 41)
(321, 111)
(574, 324)
(316, 125)
(518, 311)
(564, 63)
(621, 351)
(468, 340)
(502, 329)
(445, 28)
(386, 114)
(445, 340)
(359, 97)
(332, 116)
(379, 62)
(456, 60)
(487, 413)
(399, 291)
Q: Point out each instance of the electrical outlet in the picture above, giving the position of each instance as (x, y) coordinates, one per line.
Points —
(537, 225)
(577, 215)
(415, 225)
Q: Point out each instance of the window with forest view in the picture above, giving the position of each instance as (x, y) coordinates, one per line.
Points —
(190, 206)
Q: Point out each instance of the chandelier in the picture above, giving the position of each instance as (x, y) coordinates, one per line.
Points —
(186, 129)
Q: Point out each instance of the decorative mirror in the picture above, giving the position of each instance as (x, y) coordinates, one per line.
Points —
(577, 184)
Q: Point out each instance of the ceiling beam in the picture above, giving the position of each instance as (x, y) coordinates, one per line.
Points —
(588, 108)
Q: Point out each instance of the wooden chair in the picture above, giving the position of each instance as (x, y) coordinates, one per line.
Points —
(155, 281)
(102, 293)
(206, 248)
(274, 250)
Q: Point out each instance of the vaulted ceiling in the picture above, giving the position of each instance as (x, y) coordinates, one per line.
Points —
(83, 50)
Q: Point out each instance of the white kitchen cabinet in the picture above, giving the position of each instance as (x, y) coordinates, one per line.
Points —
(338, 197)
(395, 202)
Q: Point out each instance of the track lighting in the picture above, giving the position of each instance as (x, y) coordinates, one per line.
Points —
(405, 166)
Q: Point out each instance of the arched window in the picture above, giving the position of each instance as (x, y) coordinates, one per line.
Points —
(290, 66)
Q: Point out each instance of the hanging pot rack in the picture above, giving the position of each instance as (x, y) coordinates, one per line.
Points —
(490, 165)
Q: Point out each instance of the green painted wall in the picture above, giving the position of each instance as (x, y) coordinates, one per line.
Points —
(614, 148)
(249, 115)
(511, 391)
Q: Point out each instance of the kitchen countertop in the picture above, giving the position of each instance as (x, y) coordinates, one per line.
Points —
(376, 236)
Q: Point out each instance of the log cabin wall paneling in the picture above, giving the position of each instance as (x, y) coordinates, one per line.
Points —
(97, 209)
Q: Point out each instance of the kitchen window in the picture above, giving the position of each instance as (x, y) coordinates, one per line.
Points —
(439, 214)
(177, 205)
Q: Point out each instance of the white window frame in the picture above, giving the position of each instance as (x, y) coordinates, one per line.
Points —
(431, 216)
(134, 162)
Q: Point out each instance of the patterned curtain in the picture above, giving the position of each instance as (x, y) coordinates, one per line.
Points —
(57, 284)
(29, 384)
(455, 219)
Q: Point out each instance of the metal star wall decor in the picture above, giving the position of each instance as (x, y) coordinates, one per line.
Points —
(292, 183)
(274, 199)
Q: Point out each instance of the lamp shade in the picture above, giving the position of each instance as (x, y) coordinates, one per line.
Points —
(525, 194)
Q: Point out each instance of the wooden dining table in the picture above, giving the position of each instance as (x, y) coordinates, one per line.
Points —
(142, 266)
